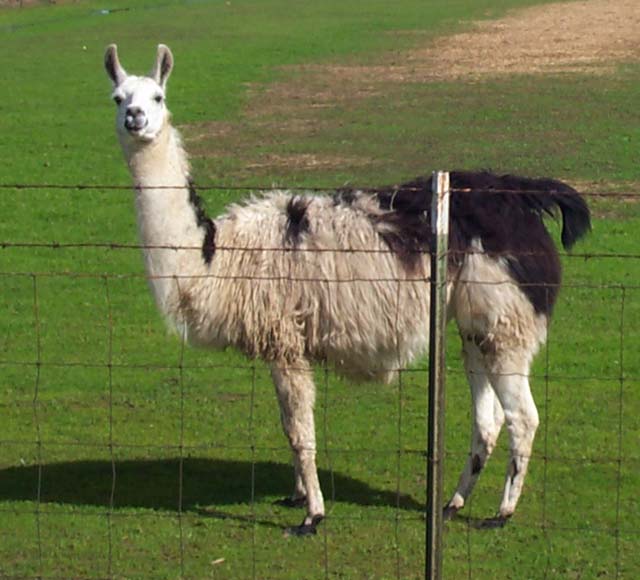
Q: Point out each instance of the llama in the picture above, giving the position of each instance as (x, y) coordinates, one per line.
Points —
(342, 278)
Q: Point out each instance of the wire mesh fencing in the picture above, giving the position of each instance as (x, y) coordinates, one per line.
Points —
(126, 453)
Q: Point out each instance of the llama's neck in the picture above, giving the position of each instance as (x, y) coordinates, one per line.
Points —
(170, 231)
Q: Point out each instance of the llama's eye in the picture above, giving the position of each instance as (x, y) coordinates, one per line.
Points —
(117, 100)
(158, 99)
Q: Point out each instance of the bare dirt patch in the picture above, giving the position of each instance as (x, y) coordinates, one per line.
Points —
(587, 37)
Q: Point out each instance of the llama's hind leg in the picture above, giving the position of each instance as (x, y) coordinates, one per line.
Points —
(488, 418)
(511, 384)
(296, 395)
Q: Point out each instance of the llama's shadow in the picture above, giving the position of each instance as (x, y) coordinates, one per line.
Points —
(197, 485)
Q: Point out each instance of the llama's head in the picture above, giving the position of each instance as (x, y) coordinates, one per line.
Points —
(142, 112)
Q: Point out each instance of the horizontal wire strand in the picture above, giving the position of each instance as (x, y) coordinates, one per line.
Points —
(54, 245)
(298, 188)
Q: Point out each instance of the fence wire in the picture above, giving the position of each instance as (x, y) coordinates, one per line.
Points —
(189, 516)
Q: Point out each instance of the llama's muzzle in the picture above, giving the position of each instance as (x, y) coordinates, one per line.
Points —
(135, 119)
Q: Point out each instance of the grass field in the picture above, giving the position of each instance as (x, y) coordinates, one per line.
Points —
(123, 455)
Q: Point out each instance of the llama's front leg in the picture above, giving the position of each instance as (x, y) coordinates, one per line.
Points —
(299, 496)
(488, 418)
(521, 415)
(296, 395)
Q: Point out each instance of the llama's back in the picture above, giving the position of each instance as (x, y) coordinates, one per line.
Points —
(344, 278)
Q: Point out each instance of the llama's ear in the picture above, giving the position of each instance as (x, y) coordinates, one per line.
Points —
(163, 66)
(114, 69)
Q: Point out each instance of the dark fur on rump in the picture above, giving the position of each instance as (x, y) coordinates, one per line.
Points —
(509, 225)
(535, 196)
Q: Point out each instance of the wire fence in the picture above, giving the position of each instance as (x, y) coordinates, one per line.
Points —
(126, 454)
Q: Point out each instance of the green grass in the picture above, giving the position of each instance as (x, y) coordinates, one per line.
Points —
(194, 438)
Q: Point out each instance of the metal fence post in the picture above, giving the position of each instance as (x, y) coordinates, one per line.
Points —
(437, 340)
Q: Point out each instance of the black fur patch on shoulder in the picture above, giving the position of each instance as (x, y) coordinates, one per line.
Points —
(297, 220)
(205, 222)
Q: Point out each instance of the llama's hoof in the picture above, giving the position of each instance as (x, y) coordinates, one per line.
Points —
(493, 523)
(291, 502)
(304, 529)
(449, 512)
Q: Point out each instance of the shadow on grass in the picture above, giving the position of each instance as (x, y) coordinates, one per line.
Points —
(478, 523)
(155, 484)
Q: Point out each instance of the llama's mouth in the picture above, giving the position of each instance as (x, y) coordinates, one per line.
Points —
(135, 125)
(140, 134)
(135, 129)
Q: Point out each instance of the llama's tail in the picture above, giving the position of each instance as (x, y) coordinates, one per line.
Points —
(576, 217)
(550, 195)
(542, 196)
